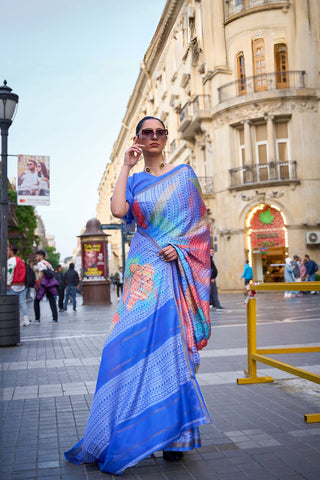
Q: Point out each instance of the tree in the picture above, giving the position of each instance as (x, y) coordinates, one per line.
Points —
(53, 257)
(27, 224)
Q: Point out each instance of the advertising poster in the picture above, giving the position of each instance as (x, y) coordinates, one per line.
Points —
(33, 180)
(93, 260)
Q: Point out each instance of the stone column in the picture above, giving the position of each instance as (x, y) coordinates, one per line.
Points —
(213, 25)
(219, 45)
(271, 139)
(248, 142)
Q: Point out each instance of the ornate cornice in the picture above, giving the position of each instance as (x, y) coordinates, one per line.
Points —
(158, 42)
(238, 114)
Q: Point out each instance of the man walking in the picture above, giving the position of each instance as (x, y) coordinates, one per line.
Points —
(71, 280)
(247, 273)
(16, 278)
(311, 269)
(214, 299)
(48, 286)
(118, 277)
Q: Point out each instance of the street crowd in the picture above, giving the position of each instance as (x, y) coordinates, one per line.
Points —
(32, 285)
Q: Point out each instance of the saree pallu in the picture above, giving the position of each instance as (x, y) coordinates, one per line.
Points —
(147, 397)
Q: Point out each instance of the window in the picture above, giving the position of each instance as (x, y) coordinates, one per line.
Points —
(260, 80)
(282, 150)
(281, 65)
(242, 87)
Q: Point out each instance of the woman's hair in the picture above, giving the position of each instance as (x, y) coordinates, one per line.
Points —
(44, 170)
(139, 126)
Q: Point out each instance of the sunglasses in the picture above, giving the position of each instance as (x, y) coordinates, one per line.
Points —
(149, 133)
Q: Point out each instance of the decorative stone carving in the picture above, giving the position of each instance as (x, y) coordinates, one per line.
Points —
(238, 114)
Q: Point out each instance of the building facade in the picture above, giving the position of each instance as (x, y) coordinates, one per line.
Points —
(237, 84)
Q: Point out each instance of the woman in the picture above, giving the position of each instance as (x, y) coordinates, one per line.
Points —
(43, 178)
(289, 277)
(147, 397)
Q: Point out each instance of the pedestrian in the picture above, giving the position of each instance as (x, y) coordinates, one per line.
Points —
(47, 286)
(247, 273)
(303, 270)
(311, 269)
(71, 280)
(147, 397)
(214, 298)
(289, 277)
(119, 282)
(59, 276)
(30, 283)
(296, 264)
(16, 278)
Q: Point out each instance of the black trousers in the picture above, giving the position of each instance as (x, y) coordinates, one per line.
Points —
(61, 298)
(119, 289)
(53, 306)
(214, 299)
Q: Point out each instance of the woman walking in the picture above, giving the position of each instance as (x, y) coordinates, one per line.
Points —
(147, 397)
(289, 277)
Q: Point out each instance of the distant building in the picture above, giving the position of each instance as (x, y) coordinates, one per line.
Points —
(51, 240)
(237, 84)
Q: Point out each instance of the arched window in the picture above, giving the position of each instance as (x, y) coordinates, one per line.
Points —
(259, 64)
(242, 86)
(281, 65)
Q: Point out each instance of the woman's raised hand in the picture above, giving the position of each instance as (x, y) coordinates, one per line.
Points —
(133, 154)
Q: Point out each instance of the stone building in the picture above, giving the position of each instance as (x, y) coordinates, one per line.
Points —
(237, 84)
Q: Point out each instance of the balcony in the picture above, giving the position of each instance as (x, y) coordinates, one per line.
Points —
(206, 184)
(260, 83)
(192, 114)
(236, 8)
(264, 174)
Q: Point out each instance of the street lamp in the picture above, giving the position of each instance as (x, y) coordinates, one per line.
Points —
(8, 103)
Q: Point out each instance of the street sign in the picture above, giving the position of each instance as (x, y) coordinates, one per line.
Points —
(111, 226)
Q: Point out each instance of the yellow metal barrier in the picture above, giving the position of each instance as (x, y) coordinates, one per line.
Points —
(258, 355)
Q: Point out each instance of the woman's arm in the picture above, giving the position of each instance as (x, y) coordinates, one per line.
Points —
(119, 204)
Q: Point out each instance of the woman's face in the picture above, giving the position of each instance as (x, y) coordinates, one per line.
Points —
(152, 136)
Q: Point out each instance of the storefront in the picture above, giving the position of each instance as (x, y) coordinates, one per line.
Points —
(267, 242)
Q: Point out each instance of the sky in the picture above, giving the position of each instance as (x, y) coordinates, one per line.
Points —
(74, 64)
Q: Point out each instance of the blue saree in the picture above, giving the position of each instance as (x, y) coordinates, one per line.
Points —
(147, 397)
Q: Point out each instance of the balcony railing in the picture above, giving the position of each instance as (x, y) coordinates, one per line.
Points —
(200, 103)
(234, 7)
(206, 184)
(264, 173)
(262, 82)
(192, 114)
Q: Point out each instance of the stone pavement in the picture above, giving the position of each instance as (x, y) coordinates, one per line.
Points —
(258, 431)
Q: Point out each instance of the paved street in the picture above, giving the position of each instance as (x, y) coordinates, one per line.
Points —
(258, 431)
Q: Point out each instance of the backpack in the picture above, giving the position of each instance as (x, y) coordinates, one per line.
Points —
(19, 274)
(30, 277)
(48, 273)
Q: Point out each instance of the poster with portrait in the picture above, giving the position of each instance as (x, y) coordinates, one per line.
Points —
(93, 260)
(33, 180)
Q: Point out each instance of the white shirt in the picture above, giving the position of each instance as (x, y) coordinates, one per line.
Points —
(29, 180)
(43, 265)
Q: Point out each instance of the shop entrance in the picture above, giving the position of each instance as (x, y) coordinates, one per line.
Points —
(269, 266)
(267, 241)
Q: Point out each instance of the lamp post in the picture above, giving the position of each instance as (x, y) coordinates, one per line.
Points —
(8, 103)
